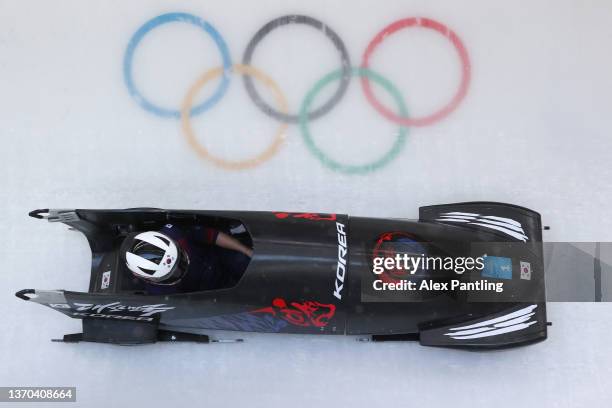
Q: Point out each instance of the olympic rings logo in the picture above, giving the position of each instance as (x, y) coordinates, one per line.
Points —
(306, 113)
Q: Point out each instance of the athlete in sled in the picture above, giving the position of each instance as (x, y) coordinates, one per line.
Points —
(170, 274)
(177, 259)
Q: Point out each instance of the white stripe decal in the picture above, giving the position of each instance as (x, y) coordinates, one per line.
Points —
(503, 224)
(517, 235)
(462, 213)
(451, 220)
(462, 217)
(508, 226)
(471, 331)
(502, 219)
(496, 332)
(520, 312)
(517, 320)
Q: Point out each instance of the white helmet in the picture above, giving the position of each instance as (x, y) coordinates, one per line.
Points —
(154, 257)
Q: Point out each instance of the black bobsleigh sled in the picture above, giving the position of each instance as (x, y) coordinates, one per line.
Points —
(312, 274)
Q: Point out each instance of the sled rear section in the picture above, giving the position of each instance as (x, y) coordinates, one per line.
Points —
(451, 318)
(287, 287)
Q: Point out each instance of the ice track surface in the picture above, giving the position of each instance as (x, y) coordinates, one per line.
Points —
(533, 129)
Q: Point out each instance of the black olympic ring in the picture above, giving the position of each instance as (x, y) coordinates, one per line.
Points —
(335, 39)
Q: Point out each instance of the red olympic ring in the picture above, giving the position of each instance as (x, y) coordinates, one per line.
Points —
(463, 56)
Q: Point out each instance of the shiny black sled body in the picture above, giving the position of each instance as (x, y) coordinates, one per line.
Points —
(312, 274)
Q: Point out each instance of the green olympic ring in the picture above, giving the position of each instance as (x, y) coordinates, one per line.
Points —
(322, 156)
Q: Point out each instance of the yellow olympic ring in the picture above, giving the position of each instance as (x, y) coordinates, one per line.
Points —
(201, 150)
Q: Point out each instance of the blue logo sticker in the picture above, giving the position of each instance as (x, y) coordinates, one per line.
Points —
(497, 267)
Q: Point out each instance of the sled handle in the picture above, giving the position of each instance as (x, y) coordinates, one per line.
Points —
(39, 213)
(22, 293)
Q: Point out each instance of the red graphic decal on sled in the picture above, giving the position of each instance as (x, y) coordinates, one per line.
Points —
(306, 216)
(383, 250)
(305, 314)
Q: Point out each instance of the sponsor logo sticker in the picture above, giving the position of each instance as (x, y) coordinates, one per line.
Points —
(106, 278)
(525, 270)
(497, 267)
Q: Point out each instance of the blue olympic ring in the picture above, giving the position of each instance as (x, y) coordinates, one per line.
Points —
(163, 19)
